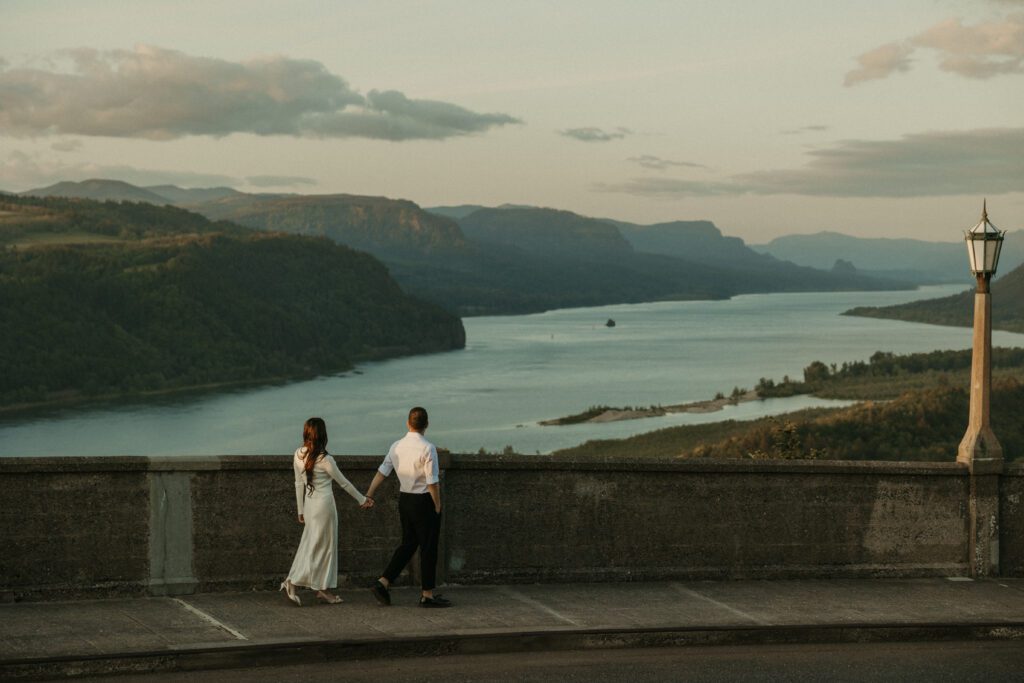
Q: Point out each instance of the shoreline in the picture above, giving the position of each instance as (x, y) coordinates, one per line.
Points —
(82, 400)
(618, 414)
(76, 398)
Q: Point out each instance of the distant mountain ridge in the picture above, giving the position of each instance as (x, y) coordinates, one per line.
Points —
(693, 241)
(517, 259)
(899, 258)
(101, 189)
(187, 197)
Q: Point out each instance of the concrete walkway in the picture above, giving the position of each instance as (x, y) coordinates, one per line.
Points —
(221, 630)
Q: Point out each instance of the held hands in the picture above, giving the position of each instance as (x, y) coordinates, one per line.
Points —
(367, 505)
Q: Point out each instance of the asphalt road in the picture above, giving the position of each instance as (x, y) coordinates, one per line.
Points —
(963, 662)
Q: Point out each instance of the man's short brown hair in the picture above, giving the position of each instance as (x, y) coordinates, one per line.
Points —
(418, 419)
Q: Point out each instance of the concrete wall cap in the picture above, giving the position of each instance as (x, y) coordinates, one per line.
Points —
(489, 462)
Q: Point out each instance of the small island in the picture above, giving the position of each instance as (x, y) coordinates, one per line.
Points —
(600, 414)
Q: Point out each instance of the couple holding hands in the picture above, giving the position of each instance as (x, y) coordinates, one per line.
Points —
(414, 459)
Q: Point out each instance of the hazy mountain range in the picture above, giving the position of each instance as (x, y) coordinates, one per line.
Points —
(510, 259)
(116, 190)
(909, 260)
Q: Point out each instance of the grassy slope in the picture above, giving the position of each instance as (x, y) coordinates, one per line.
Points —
(922, 416)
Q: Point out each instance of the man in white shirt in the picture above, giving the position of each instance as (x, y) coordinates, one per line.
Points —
(414, 459)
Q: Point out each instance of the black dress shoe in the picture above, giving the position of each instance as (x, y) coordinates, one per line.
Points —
(436, 601)
(381, 592)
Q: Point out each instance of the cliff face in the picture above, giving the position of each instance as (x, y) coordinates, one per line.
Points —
(375, 224)
(546, 232)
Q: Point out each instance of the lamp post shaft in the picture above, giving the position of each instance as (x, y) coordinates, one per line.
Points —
(979, 448)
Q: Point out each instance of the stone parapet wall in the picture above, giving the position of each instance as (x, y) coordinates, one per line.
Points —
(513, 519)
(72, 526)
(1011, 521)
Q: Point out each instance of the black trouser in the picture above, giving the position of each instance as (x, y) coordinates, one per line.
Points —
(421, 528)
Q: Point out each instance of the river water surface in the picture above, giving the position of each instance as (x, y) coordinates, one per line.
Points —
(514, 372)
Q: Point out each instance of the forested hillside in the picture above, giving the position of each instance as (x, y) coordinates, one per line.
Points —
(30, 221)
(171, 301)
(958, 309)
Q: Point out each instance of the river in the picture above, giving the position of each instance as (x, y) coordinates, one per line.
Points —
(514, 372)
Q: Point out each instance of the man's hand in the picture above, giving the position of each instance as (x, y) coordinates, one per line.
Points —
(367, 504)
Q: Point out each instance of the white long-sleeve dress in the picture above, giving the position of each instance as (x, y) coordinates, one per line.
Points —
(316, 561)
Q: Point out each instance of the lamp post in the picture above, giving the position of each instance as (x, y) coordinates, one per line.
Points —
(979, 447)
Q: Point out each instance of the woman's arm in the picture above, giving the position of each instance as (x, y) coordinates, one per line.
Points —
(332, 468)
(300, 486)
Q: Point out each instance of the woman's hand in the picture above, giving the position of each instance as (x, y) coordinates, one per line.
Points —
(302, 519)
(367, 504)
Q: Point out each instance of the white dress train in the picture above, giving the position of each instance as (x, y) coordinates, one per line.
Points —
(316, 561)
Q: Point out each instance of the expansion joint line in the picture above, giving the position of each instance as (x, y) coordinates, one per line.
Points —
(740, 613)
(209, 619)
(537, 604)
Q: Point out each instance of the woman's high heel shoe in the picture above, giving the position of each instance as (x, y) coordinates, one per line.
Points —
(289, 590)
(328, 598)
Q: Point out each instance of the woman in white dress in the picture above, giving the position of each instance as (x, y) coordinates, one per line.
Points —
(316, 561)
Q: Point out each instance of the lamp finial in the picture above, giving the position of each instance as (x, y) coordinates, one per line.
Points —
(984, 209)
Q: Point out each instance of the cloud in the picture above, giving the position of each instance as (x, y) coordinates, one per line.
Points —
(161, 94)
(985, 50)
(988, 161)
(668, 188)
(66, 145)
(279, 180)
(20, 171)
(879, 63)
(658, 164)
(817, 128)
(592, 134)
(982, 51)
(392, 116)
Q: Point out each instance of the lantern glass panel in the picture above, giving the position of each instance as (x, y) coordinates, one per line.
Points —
(992, 248)
(978, 256)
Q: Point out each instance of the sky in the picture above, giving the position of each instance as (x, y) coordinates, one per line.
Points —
(872, 118)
